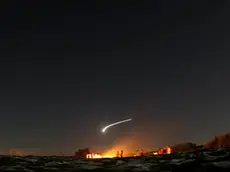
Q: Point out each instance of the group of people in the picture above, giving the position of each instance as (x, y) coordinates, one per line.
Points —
(120, 155)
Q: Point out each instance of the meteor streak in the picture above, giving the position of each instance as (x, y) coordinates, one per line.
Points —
(116, 123)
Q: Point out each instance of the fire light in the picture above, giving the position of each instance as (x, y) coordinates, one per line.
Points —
(93, 156)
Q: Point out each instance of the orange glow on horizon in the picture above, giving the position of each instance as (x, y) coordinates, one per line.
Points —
(130, 143)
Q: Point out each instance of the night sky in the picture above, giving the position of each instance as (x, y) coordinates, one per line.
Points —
(69, 69)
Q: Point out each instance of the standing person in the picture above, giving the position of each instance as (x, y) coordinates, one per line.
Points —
(121, 153)
(118, 154)
(142, 152)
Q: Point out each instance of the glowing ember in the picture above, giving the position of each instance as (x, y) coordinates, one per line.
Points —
(93, 156)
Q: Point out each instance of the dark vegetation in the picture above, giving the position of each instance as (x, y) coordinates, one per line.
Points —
(219, 141)
(81, 153)
(216, 142)
(184, 147)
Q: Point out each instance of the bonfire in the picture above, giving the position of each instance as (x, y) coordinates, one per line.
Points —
(93, 156)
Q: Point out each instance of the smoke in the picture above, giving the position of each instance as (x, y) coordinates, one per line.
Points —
(129, 143)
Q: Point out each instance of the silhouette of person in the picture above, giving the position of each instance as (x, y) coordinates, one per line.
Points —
(121, 153)
(142, 152)
(118, 153)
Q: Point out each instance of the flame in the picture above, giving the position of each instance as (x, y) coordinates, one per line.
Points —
(93, 156)
(109, 155)
(128, 144)
(97, 156)
(113, 153)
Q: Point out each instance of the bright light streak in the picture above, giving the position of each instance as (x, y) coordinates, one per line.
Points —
(116, 123)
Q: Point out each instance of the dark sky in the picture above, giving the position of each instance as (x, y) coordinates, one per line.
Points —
(69, 69)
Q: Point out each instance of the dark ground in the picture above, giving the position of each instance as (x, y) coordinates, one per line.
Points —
(216, 160)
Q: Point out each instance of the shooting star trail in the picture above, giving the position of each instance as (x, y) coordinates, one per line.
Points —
(116, 123)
